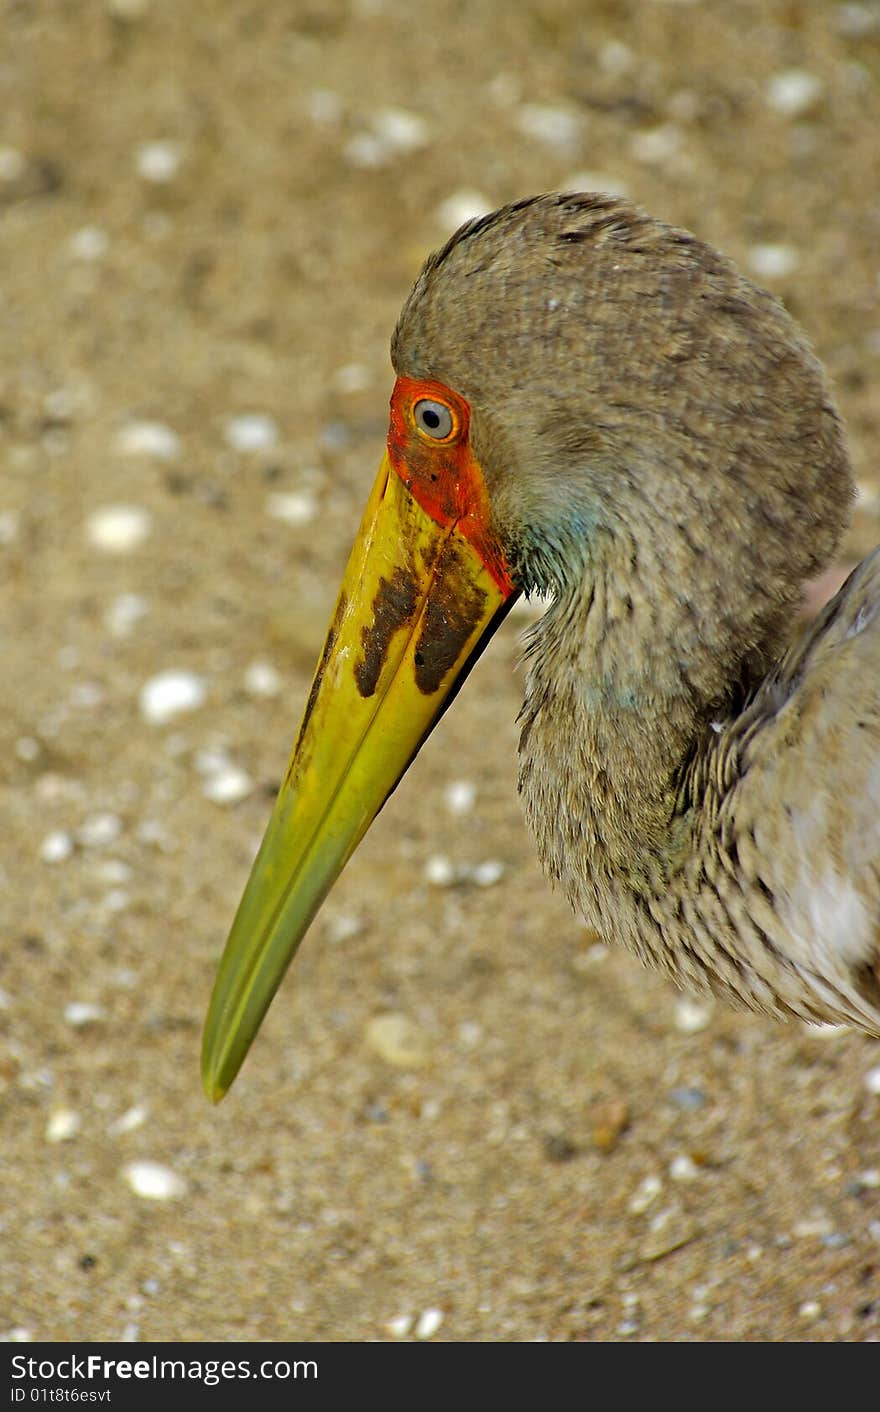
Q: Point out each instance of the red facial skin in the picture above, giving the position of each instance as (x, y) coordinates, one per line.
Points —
(444, 476)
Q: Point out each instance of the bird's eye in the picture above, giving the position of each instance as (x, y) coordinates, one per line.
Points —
(433, 418)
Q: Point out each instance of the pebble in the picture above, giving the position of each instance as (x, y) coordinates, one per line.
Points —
(124, 612)
(262, 679)
(393, 132)
(154, 1181)
(323, 106)
(429, 1323)
(27, 748)
(145, 438)
(132, 1119)
(252, 431)
(63, 1125)
(855, 21)
(872, 1080)
(608, 1121)
(440, 871)
(645, 1193)
(158, 162)
(8, 526)
(488, 873)
(614, 57)
(127, 9)
(773, 261)
(118, 529)
(127, 1122)
(693, 1016)
(557, 127)
(400, 1326)
(397, 1040)
(99, 830)
(82, 1012)
(670, 1230)
(342, 926)
(810, 1309)
(460, 796)
(596, 181)
(88, 243)
(793, 92)
(656, 145)
(352, 377)
(56, 846)
(461, 206)
(228, 785)
(294, 507)
(687, 1097)
(13, 164)
(683, 1168)
(169, 694)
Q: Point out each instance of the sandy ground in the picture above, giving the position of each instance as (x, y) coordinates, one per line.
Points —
(213, 212)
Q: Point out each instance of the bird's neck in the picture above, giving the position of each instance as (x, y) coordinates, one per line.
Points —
(622, 692)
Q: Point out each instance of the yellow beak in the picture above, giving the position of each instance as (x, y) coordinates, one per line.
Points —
(416, 607)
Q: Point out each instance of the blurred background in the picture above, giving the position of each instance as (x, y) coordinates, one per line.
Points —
(463, 1119)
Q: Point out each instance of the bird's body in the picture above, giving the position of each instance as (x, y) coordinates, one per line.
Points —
(599, 407)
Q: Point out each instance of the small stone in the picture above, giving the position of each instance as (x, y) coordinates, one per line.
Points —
(461, 206)
(773, 261)
(397, 1040)
(460, 796)
(169, 694)
(872, 1080)
(693, 1016)
(400, 1326)
(28, 749)
(342, 926)
(118, 529)
(687, 1097)
(261, 679)
(683, 1168)
(124, 612)
(429, 1322)
(63, 1125)
(252, 431)
(793, 92)
(158, 162)
(657, 145)
(323, 106)
(856, 21)
(80, 1013)
(56, 846)
(129, 10)
(294, 507)
(154, 1181)
(132, 1118)
(401, 131)
(557, 127)
(13, 164)
(596, 181)
(228, 785)
(440, 871)
(89, 243)
(608, 1121)
(645, 1193)
(99, 830)
(351, 377)
(810, 1309)
(488, 873)
(8, 526)
(615, 58)
(147, 438)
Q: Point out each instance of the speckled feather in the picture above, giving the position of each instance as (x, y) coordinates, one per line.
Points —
(663, 456)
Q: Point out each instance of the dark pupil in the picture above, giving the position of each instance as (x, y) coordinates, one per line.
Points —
(430, 418)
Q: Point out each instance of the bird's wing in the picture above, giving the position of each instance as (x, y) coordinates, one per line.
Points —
(809, 788)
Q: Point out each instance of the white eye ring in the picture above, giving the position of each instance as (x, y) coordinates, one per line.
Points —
(433, 418)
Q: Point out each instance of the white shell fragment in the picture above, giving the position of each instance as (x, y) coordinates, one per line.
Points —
(149, 439)
(154, 1181)
(793, 92)
(227, 785)
(294, 507)
(261, 679)
(773, 261)
(82, 1012)
(252, 431)
(63, 1124)
(429, 1323)
(169, 694)
(99, 830)
(56, 846)
(118, 529)
(158, 162)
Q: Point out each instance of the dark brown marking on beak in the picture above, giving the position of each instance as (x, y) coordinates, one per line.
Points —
(326, 653)
(393, 607)
(452, 610)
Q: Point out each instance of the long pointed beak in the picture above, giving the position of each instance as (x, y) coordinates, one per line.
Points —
(416, 607)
